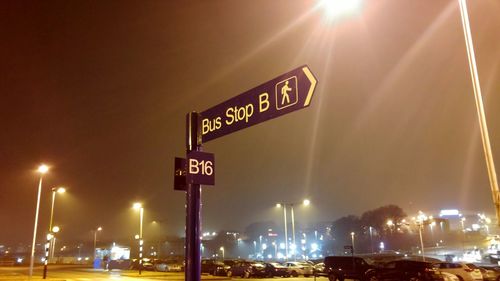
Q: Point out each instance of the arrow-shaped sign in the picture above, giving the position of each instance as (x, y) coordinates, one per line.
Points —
(286, 93)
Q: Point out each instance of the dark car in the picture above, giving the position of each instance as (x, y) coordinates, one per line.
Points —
(214, 267)
(490, 272)
(119, 264)
(147, 264)
(406, 270)
(247, 269)
(345, 267)
(273, 269)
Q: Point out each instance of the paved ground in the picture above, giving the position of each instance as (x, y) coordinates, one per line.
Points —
(82, 273)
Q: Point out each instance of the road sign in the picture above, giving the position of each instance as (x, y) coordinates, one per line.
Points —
(180, 173)
(286, 93)
(200, 168)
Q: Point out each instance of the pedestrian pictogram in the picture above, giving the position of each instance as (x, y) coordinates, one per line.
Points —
(286, 93)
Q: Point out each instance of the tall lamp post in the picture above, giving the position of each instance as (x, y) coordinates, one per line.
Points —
(420, 220)
(371, 239)
(483, 126)
(42, 169)
(279, 205)
(138, 206)
(462, 221)
(352, 241)
(305, 202)
(222, 250)
(95, 238)
(51, 235)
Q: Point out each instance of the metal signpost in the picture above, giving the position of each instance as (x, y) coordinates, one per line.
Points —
(284, 94)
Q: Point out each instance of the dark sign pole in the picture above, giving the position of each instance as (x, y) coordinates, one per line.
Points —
(193, 204)
(282, 95)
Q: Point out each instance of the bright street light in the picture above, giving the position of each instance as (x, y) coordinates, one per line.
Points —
(95, 239)
(55, 190)
(338, 8)
(42, 169)
(222, 250)
(305, 202)
(352, 240)
(138, 206)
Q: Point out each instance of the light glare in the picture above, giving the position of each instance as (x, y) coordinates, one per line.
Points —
(42, 169)
(337, 8)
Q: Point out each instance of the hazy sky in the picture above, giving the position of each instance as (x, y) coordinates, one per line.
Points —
(99, 90)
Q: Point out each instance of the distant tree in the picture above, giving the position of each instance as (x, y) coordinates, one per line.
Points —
(342, 228)
(378, 218)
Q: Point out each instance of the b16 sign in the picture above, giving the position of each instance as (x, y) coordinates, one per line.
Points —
(200, 168)
(286, 93)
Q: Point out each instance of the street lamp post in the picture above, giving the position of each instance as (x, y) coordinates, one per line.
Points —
(138, 206)
(260, 245)
(222, 250)
(50, 236)
(95, 239)
(42, 169)
(352, 242)
(371, 239)
(285, 223)
(306, 202)
(462, 221)
(255, 248)
(483, 126)
(421, 218)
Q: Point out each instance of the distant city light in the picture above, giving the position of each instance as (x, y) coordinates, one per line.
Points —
(451, 212)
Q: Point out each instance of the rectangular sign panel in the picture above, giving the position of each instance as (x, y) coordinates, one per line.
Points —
(284, 94)
(180, 173)
(200, 168)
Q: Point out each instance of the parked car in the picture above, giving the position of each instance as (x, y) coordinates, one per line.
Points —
(169, 265)
(449, 277)
(247, 269)
(297, 268)
(214, 267)
(408, 270)
(119, 264)
(147, 264)
(461, 270)
(490, 272)
(345, 267)
(319, 269)
(276, 269)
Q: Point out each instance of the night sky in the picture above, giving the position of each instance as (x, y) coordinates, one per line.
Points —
(99, 91)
